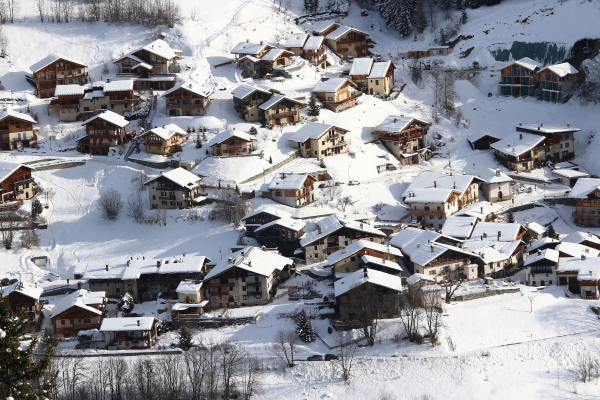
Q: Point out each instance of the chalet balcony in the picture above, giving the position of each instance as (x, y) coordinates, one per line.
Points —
(167, 198)
(338, 144)
(428, 212)
(253, 283)
(228, 284)
(541, 270)
(282, 114)
(219, 293)
(354, 96)
(254, 292)
(580, 215)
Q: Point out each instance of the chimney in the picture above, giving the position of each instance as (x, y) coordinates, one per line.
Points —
(395, 120)
(157, 263)
(539, 252)
(184, 254)
(520, 124)
(434, 184)
(361, 225)
(230, 260)
(590, 272)
(454, 185)
(499, 234)
(247, 40)
(107, 266)
(190, 85)
(365, 273)
(344, 250)
(587, 250)
(568, 124)
(163, 126)
(498, 172)
(527, 224)
(128, 262)
(418, 245)
(143, 257)
(484, 235)
(249, 263)
(433, 248)
(138, 322)
(264, 248)
(482, 210)
(262, 42)
(520, 136)
(583, 257)
(318, 229)
(542, 125)
(538, 128)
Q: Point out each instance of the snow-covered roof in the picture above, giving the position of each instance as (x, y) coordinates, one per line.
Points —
(481, 210)
(367, 259)
(570, 173)
(588, 268)
(69, 90)
(324, 25)
(546, 128)
(252, 259)
(287, 181)
(274, 54)
(228, 134)
(380, 69)
(249, 48)
(295, 39)
(537, 228)
(395, 123)
(580, 237)
(7, 168)
(94, 94)
(75, 299)
(166, 132)
(334, 222)
(187, 306)
(130, 56)
(290, 223)
(583, 187)
(562, 69)
(414, 278)
(190, 87)
(16, 114)
(494, 176)
(508, 231)
(342, 30)
(179, 176)
(429, 195)
(373, 276)
(459, 227)
(276, 99)
(406, 237)
(126, 324)
(268, 210)
(361, 66)
(332, 85)
(429, 180)
(143, 65)
(50, 59)
(124, 85)
(481, 134)
(543, 242)
(576, 250)
(244, 90)
(359, 245)
(110, 117)
(314, 43)
(518, 143)
(312, 130)
(161, 49)
(490, 250)
(424, 253)
(29, 291)
(189, 287)
(543, 255)
(526, 62)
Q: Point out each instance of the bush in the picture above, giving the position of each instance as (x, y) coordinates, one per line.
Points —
(185, 338)
(36, 208)
(110, 204)
(419, 339)
(29, 240)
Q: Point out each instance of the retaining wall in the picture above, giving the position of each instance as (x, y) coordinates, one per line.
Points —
(275, 167)
(487, 293)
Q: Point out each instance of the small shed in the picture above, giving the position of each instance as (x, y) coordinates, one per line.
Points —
(129, 332)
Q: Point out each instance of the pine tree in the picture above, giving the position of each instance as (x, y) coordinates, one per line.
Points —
(322, 163)
(552, 233)
(464, 17)
(185, 338)
(204, 138)
(253, 130)
(198, 142)
(36, 208)
(189, 130)
(21, 375)
(313, 108)
(305, 329)
(307, 5)
(510, 217)
(270, 160)
(443, 38)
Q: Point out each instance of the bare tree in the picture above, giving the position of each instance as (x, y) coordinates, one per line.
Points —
(4, 42)
(531, 298)
(344, 202)
(138, 181)
(432, 315)
(231, 357)
(110, 204)
(279, 4)
(385, 395)
(30, 239)
(410, 312)
(345, 351)
(193, 13)
(587, 366)
(13, 7)
(333, 190)
(9, 221)
(135, 207)
(451, 286)
(41, 6)
(284, 346)
(231, 208)
(416, 74)
(251, 376)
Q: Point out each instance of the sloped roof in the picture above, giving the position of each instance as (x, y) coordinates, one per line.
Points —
(562, 69)
(580, 237)
(110, 117)
(508, 231)
(251, 259)
(481, 209)
(314, 43)
(49, 59)
(244, 90)
(7, 168)
(274, 54)
(518, 143)
(494, 176)
(548, 128)
(295, 39)
(124, 85)
(342, 30)
(18, 115)
(429, 195)
(276, 99)
(126, 324)
(324, 25)
(526, 62)
(29, 291)
(537, 228)
(190, 87)
(189, 287)
(543, 242)
(380, 261)
(481, 134)
(75, 299)
(459, 227)
(248, 48)
(288, 181)
(180, 176)
(361, 66)
(69, 90)
(269, 210)
(583, 187)
(424, 253)
(332, 223)
(426, 181)
(357, 246)
(380, 69)
(406, 236)
(546, 254)
(312, 130)
(161, 49)
(588, 268)
(396, 123)
(576, 250)
(332, 84)
(228, 134)
(373, 276)
(570, 173)
(490, 250)
(414, 278)
(290, 223)
(166, 132)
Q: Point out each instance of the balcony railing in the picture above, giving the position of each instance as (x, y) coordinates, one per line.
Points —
(427, 212)
(581, 215)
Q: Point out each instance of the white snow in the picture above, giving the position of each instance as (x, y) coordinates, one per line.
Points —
(126, 324)
(110, 117)
(362, 276)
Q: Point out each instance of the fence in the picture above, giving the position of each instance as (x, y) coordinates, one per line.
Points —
(487, 293)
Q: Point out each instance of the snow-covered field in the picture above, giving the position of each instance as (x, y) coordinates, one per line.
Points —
(545, 335)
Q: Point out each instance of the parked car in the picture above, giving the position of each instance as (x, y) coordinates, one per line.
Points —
(133, 314)
(329, 357)
(322, 186)
(364, 13)
(316, 357)
(350, 58)
(353, 183)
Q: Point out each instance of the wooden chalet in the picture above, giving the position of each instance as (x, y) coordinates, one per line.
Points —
(540, 268)
(405, 138)
(16, 182)
(283, 234)
(364, 253)
(483, 140)
(583, 238)
(293, 190)
(521, 151)
(581, 275)
(152, 66)
(519, 78)
(232, 142)
(16, 130)
(80, 310)
(295, 42)
(127, 333)
(314, 51)
(103, 131)
(165, 140)
(316, 140)
(361, 68)
(586, 193)
(280, 110)
(57, 70)
(262, 216)
(25, 299)
(187, 98)
(337, 94)
(175, 189)
(347, 41)
(247, 99)
(556, 81)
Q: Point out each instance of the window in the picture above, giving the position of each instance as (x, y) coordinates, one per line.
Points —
(62, 321)
(353, 258)
(230, 289)
(86, 320)
(258, 296)
(117, 290)
(432, 272)
(243, 288)
(244, 297)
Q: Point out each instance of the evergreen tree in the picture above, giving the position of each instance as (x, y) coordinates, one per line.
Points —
(464, 17)
(189, 130)
(305, 329)
(313, 108)
(307, 5)
(22, 376)
(270, 160)
(198, 142)
(36, 208)
(510, 217)
(443, 37)
(552, 233)
(185, 338)
(204, 138)
(322, 163)
(253, 130)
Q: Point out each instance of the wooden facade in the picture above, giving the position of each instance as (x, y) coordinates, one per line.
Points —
(186, 102)
(247, 107)
(19, 185)
(284, 112)
(408, 143)
(166, 194)
(553, 87)
(518, 80)
(343, 98)
(60, 71)
(16, 133)
(381, 302)
(353, 43)
(101, 135)
(30, 306)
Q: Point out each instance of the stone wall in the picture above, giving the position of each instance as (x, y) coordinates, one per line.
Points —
(275, 167)
(487, 293)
